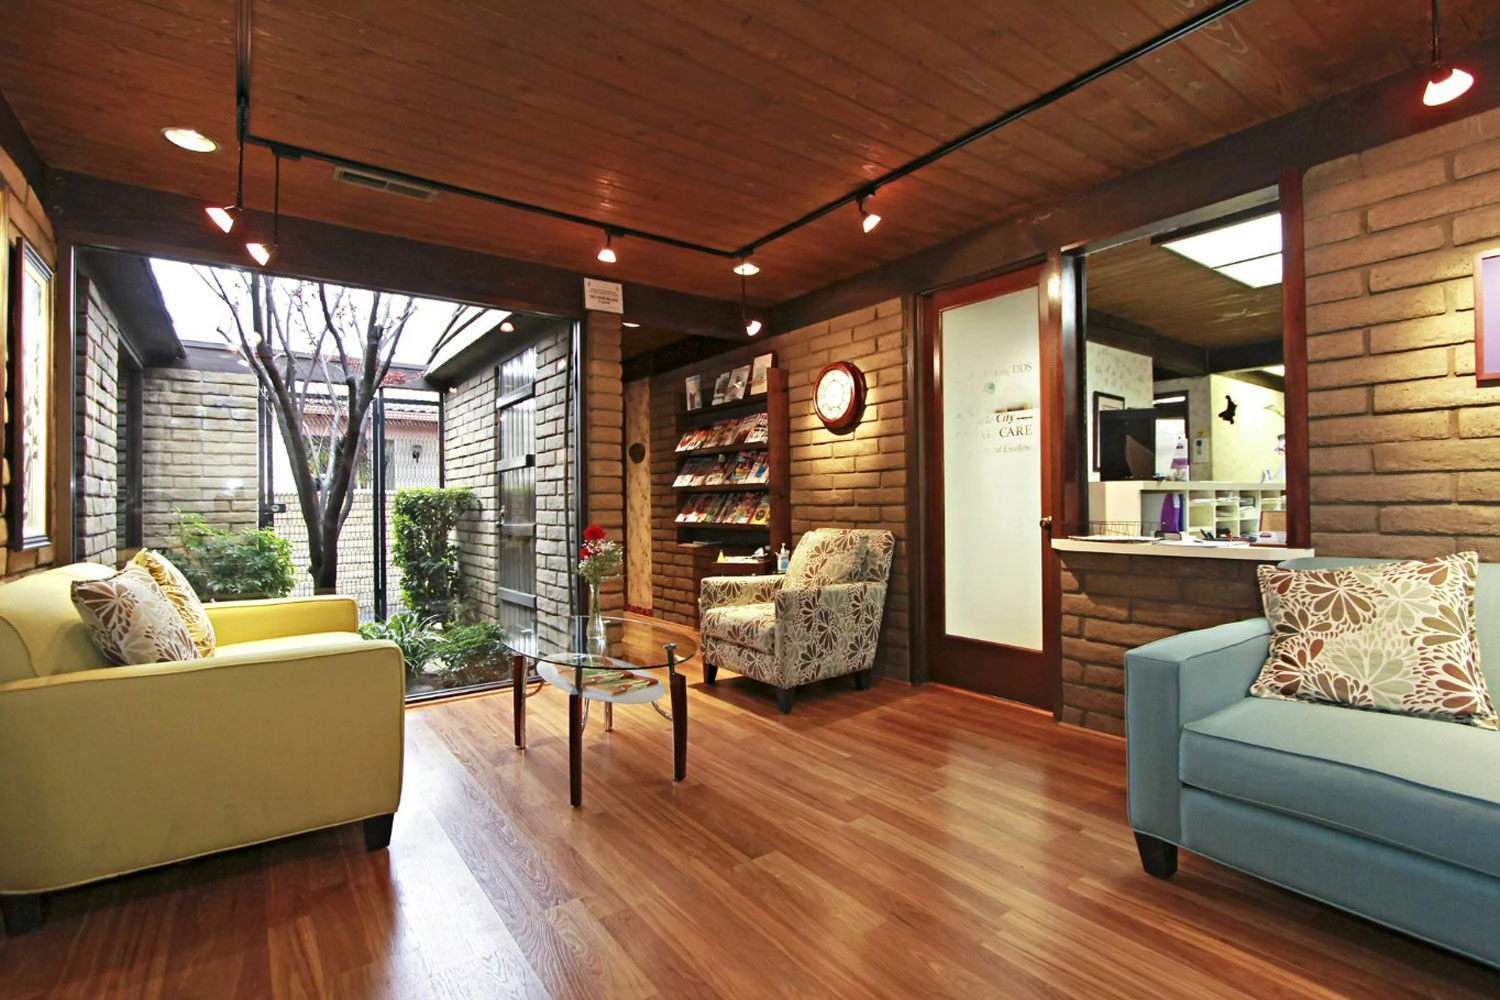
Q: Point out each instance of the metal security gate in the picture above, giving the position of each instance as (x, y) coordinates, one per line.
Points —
(515, 423)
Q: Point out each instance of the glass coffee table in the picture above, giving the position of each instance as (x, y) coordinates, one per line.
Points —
(615, 668)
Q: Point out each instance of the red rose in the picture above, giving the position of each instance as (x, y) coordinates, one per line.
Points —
(593, 533)
(583, 553)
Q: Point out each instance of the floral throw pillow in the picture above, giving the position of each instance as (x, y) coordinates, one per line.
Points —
(131, 620)
(1396, 637)
(182, 595)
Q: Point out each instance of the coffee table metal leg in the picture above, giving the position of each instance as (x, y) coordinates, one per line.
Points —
(575, 748)
(609, 716)
(679, 727)
(518, 695)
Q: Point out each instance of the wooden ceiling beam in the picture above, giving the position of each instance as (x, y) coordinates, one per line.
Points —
(1168, 355)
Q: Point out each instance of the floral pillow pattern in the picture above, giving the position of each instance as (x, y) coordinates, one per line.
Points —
(1395, 637)
(131, 620)
(182, 595)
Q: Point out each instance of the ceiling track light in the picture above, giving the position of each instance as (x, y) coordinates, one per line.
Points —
(752, 325)
(1444, 83)
(225, 216)
(259, 251)
(746, 266)
(867, 220)
(607, 252)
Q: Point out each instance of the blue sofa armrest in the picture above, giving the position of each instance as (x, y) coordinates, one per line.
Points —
(1169, 683)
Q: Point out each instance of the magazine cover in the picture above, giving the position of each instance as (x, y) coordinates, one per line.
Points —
(758, 372)
(744, 508)
(691, 438)
(762, 510)
(721, 388)
(762, 470)
(717, 472)
(761, 430)
(744, 467)
(739, 381)
(694, 385)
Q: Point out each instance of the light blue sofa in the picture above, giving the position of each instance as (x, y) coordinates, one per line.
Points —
(1391, 817)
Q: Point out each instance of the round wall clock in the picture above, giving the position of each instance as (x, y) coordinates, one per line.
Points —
(839, 396)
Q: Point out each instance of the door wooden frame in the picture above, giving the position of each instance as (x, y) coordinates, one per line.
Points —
(1042, 686)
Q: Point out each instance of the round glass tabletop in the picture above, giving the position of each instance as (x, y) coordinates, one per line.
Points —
(629, 642)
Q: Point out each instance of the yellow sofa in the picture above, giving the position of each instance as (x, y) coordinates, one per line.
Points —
(294, 724)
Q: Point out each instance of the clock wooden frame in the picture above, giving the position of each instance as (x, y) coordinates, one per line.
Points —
(856, 411)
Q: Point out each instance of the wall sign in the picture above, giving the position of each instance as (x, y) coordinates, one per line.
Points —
(1487, 315)
(839, 396)
(603, 296)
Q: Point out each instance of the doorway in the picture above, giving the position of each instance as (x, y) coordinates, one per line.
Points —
(992, 364)
(515, 428)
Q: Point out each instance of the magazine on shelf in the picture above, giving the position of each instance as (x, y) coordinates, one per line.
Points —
(743, 468)
(718, 471)
(692, 438)
(615, 682)
(762, 471)
(760, 429)
(694, 386)
(762, 510)
(685, 474)
(739, 381)
(721, 389)
(745, 428)
(743, 509)
(759, 373)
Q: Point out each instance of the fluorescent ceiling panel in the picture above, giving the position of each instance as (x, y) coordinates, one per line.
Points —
(1233, 243)
(1257, 273)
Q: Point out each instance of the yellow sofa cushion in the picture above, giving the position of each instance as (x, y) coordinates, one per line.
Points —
(184, 599)
(40, 632)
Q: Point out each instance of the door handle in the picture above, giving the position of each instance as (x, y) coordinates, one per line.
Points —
(1045, 523)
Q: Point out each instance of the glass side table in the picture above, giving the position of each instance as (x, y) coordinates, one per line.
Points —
(614, 668)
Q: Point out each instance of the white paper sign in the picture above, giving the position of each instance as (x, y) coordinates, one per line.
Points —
(603, 296)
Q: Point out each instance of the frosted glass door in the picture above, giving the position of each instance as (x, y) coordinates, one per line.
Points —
(992, 470)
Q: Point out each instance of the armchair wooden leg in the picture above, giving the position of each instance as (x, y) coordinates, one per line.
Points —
(710, 672)
(22, 914)
(1158, 857)
(378, 831)
(785, 699)
(864, 678)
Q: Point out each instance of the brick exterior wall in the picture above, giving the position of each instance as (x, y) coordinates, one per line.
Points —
(199, 443)
(854, 481)
(556, 501)
(604, 437)
(1404, 445)
(96, 369)
(469, 455)
(1112, 603)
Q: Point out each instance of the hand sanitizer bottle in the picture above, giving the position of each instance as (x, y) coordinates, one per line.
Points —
(783, 558)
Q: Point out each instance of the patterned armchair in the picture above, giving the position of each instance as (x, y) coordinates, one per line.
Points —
(821, 620)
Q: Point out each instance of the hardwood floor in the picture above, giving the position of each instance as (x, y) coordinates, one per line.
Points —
(898, 842)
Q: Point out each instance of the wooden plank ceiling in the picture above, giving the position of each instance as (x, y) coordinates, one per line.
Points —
(713, 122)
(1175, 297)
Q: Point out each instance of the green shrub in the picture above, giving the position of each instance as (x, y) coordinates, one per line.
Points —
(423, 520)
(233, 565)
(418, 637)
(472, 654)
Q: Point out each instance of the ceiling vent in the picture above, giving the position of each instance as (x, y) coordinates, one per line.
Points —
(378, 182)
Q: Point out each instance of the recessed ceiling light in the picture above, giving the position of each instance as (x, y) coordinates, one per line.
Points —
(1248, 252)
(189, 139)
(629, 324)
(1275, 369)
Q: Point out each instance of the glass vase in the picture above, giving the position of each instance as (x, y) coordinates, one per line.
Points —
(595, 632)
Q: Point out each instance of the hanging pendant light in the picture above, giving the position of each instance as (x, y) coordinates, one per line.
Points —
(259, 251)
(1445, 83)
(225, 216)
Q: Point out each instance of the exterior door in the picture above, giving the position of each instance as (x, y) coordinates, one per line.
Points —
(515, 420)
(993, 455)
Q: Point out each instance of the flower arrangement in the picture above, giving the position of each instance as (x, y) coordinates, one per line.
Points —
(599, 559)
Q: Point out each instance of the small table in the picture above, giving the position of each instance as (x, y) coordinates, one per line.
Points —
(611, 668)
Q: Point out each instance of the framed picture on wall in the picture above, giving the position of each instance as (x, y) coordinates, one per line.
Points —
(29, 388)
(1103, 402)
(1487, 316)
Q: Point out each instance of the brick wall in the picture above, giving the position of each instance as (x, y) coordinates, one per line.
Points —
(1404, 445)
(198, 444)
(604, 437)
(96, 370)
(469, 461)
(1112, 603)
(856, 480)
